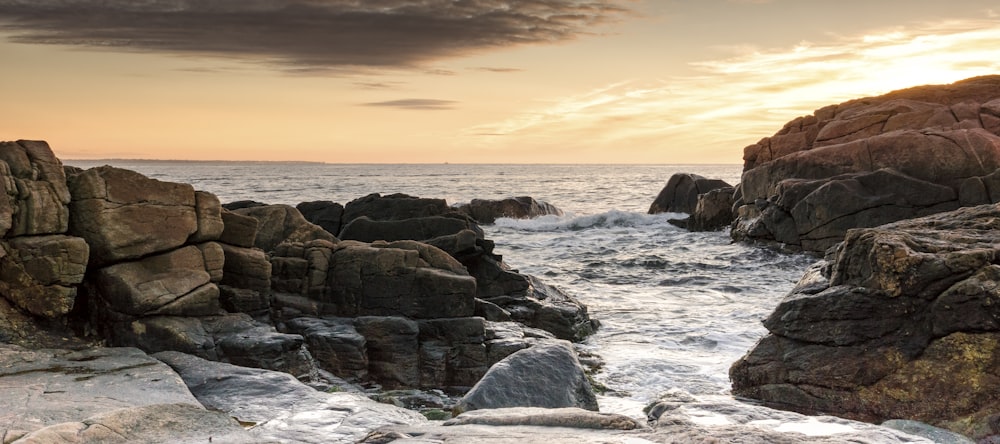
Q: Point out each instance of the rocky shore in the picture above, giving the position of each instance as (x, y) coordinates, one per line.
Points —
(137, 310)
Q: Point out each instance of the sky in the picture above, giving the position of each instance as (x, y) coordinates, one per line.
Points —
(461, 81)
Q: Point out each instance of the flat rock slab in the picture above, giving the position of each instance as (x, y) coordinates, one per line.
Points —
(152, 424)
(279, 408)
(39, 388)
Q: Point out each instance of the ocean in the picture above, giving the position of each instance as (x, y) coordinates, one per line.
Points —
(677, 308)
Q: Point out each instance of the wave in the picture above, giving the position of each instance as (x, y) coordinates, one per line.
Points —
(608, 219)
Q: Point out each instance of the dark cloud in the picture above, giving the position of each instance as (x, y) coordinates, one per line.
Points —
(421, 104)
(377, 85)
(306, 35)
(500, 70)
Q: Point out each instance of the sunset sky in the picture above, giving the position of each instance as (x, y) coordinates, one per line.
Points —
(534, 81)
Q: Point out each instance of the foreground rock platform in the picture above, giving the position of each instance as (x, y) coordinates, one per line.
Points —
(902, 321)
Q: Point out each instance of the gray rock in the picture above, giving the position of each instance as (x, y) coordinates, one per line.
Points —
(546, 375)
(279, 407)
(208, 211)
(713, 211)
(335, 345)
(41, 388)
(247, 280)
(930, 432)
(574, 418)
(393, 346)
(159, 423)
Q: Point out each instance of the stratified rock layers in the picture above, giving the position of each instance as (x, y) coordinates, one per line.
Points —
(903, 321)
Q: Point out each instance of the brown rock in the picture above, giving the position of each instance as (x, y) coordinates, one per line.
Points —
(282, 223)
(239, 230)
(680, 195)
(124, 215)
(35, 187)
(40, 273)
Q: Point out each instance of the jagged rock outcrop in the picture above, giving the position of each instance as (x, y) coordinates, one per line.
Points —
(871, 161)
(487, 211)
(393, 207)
(901, 322)
(365, 229)
(680, 194)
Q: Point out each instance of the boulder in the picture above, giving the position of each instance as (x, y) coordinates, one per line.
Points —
(174, 283)
(546, 375)
(282, 223)
(547, 308)
(45, 387)
(124, 215)
(393, 207)
(680, 195)
(393, 346)
(279, 408)
(713, 211)
(33, 192)
(871, 161)
(900, 323)
(324, 213)
(160, 423)
(208, 211)
(486, 211)
(39, 274)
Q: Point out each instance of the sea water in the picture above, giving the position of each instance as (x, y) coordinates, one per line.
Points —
(676, 308)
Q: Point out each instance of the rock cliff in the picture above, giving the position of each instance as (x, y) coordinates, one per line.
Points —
(872, 161)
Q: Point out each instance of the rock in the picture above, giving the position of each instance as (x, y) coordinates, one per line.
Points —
(713, 211)
(175, 283)
(282, 223)
(160, 423)
(45, 387)
(547, 308)
(356, 279)
(546, 375)
(569, 417)
(238, 230)
(453, 352)
(900, 322)
(393, 349)
(932, 433)
(680, 195)
(124, 215)
(240, 204)
(279, 407)
(335, 345)
(368, 230)
(208, 211)
(34, 195)
(487, 211)
(870, 161)
(393, 207)
(324, 213)
(39, 274)
(246, 281)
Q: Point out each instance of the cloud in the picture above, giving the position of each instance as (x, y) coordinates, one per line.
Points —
(415, 104)
(735, 101)
(306, 35)
(496, 70)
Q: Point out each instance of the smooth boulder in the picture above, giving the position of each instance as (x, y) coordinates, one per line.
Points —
(545, 375)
